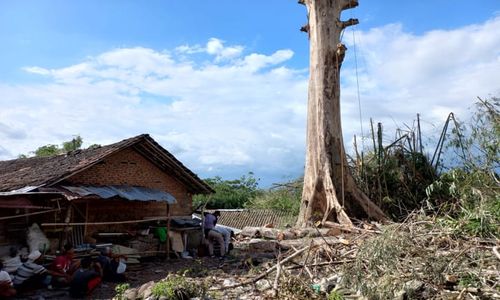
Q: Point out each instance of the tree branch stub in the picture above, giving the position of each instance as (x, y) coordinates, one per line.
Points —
(305, 28)
(347, 4)
(345, 24)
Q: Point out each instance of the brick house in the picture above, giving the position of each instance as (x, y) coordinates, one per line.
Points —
(116, 186)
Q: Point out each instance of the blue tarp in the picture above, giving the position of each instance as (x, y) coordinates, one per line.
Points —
(123, 191)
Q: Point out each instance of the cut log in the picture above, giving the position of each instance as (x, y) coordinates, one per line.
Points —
(287, 234)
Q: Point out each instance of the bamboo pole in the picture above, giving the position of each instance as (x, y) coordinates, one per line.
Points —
(67, 219)
(28, 214)
(419, 135)
(105, 223)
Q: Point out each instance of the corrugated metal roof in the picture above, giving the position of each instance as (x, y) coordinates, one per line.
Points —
(20, 191)
(123, 191)
(240, 218)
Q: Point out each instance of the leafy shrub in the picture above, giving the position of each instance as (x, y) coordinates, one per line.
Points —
(120, 290)
(229, 193)
(282, 197)
(467, 196)
(176, 287)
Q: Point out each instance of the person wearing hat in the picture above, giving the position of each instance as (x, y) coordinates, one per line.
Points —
(31, 274)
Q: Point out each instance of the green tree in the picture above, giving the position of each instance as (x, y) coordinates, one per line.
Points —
(229, 193)
(47, 150)
(284, 197)
(74, 144)
(51, 149)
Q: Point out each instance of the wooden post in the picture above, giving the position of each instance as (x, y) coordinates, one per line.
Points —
(168, 231)
(67, 220)
(86, 218)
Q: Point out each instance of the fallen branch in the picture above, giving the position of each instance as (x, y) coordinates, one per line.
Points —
(330, 240)
(305, 261)
(337, 262)
(495, 250)
(277, 278)
(255, 279)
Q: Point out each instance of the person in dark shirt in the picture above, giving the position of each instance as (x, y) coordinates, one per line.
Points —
(109, 264)
(85, 280)
(211, 235)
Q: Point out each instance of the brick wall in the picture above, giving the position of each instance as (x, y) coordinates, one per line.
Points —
(128, 167)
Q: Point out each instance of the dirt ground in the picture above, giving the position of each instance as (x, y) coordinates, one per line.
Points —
(155, 269)
(418, 259)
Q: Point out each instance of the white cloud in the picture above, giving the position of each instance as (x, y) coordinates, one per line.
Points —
(37, 70)
(433, 74)
(213, 116)
(239, 112)
(216, 47)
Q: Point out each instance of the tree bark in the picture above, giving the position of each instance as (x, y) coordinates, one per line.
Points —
(330, 193)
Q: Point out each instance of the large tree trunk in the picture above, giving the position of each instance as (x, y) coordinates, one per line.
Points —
(330, 193)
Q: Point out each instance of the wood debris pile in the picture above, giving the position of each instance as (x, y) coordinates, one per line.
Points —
(417, 259)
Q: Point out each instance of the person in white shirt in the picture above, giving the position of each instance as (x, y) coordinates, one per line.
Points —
(31, 274)
(6, 287)
(12, 262)
(226, 233)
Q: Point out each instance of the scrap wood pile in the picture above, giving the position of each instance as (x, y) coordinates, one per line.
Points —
(414, 259)
(417, 259)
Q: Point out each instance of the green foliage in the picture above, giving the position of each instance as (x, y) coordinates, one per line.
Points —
(51, 149)
(467, 197)
(74, 144)
(120, 290)
(335, 295)
(397, 180)
(477, 144)
(469, 202)
(47, 150)
(176, 287)
(282, 197)
(469, 280)
(229, 193)
(292, 287)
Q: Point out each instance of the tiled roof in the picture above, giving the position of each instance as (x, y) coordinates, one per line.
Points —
(240, 218)
(45, 171)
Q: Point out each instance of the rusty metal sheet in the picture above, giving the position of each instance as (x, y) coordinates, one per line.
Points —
(123, 191)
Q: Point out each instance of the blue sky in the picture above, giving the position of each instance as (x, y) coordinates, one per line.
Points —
(223, 84)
